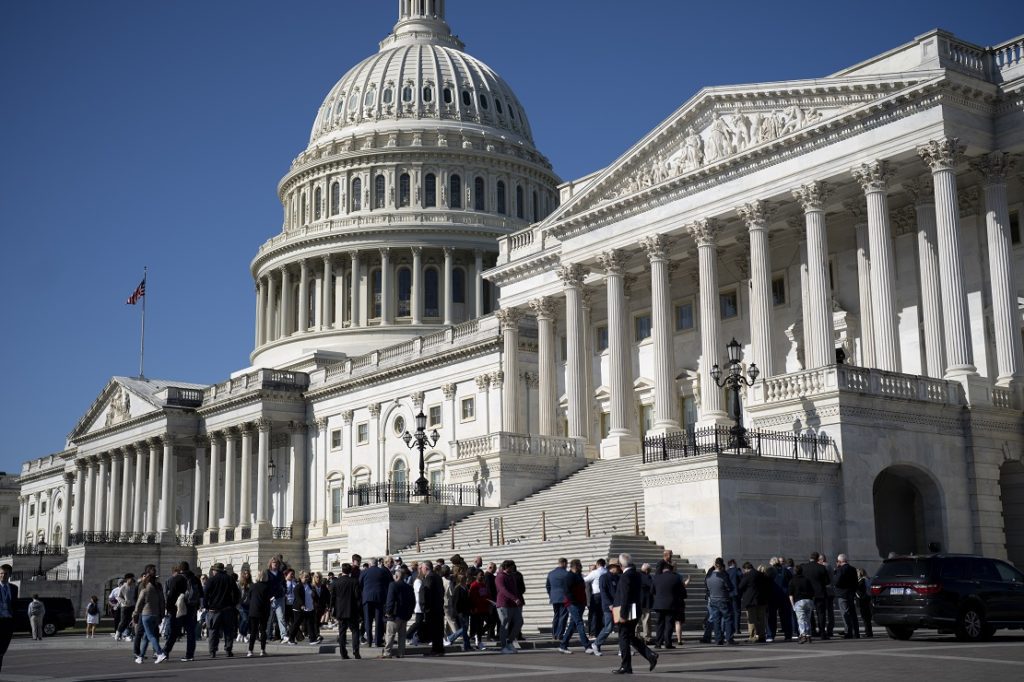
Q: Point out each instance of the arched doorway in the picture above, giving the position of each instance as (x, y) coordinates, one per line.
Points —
(908, 512)
(1011, 492)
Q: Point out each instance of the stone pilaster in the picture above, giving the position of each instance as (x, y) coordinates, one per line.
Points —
(509, 319)
(547, 405)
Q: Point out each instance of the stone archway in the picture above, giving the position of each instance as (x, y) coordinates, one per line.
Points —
(908, 512)
(1011, 492)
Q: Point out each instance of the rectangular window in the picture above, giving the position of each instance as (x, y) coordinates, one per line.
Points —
(642, 327)
(335, 439)
(363, 433)
(606, 424)
(563, 343)
(434, 416)
(468, 409)
(1015, 227)
(646, 418)
(689, 414)
(602, 338)
(436, 478)
(684, 316)
(15, 520)
(729, 304)
(778, 291)
(31, 510)
(336, 504)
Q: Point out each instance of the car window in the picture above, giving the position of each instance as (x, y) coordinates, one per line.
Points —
(953, 569)
(904, 568)
(984, 569)
(1008, 573)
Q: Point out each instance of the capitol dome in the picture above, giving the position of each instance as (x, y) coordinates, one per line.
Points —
(420, 158)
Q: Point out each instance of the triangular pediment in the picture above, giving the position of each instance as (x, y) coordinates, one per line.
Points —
(125, 399)
(720, 126)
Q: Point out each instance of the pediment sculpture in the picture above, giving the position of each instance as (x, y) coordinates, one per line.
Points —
(120, 407)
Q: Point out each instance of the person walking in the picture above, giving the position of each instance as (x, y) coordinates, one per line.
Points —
(595, 613)
(481, 601)
(222, 597)
(643, 630)
(275, 578)
(432, 604)
(347, 610)
(36, 613)
(92, 616)
(802, 593)
(669, 597)
(752, 590)
(415, 580)
(845, 581)
(720, 589)
(8, 593)
(260, 610)
(457, 608)
(627, 607)
(816, 572)
(510, 606)
(608, 584)
(374, 583)
(575, 602)
(303, 609)
(114, 606)
(126, 598)
(398, 609)
(244, 585)
(290, 584)
(149, 609)
(864, 600)
(555, 585)
(184, 587)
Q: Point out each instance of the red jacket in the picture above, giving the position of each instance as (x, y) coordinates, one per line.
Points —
(508, 590)
(480, 598)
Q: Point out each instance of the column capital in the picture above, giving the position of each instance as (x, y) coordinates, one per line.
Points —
(154, 442)
(354, 255)
(448, 390)
(303, 265)
(873, 176)
(417, 398)
(385, 251)
(374, 409)
(231, 434)
(498, 378)
(994, 167)
(246, 428)
(297, 427)
(921, 190)
(117, 455)
(346, 417)
(69, 477)
(483, 382)
(509, 318)
(81, 464)
(858, 208)
(655, 246)
(572, 274)
(704, 231)
(449, 251)
(543, 308)
(813, 195)
(416, 250)
(940, 155)
(756, 214)
(201, 441)
(321, 424)
(612, 262)
(261, 424)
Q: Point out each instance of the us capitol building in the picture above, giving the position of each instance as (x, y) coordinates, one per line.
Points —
(858, 234)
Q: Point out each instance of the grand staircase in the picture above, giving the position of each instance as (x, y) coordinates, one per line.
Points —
(553, 523)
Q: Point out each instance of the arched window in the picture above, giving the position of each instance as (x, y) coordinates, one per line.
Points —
(403, 189)
(388, 95)
(455, 191)
(357, 194)
(407, 93)
(520, 203)
(497, 105)
(479, 194)
(302, 210)
(429, 190)
(428, 94)
(57, 536)
(399, 474)
(483, 101)
(404, 291)
(378, 192)
(317, 204)
(375, 283)
(502, 209)
(431, 298)
(467, 99)
(335, 198)
(447, 93)
(458, 285)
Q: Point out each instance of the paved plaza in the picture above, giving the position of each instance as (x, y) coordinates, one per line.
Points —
(927, 656)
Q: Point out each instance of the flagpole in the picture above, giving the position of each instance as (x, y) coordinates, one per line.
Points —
(142, 343)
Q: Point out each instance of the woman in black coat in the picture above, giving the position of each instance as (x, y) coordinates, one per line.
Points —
(669, 596)
(259, 612)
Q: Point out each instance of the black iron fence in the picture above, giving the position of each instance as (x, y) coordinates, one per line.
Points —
(284, 533)
(720, 439)
(405, 493)
(97, 537)
(48, 550)
(189, 540)
(53, 574)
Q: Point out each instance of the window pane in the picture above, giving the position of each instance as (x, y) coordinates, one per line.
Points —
(520, 203)
(684, 316)
(458, 285)
(428, 94)
(483, 101)
(729, 306)
(336, 438)
(468, 408)
(376, 284)
(335, 198)
(447, 96)
(430, 190)
(407, 94)
(404, 292)
(466, 98)
(403, 190)
(435, 415)
(642, 327)
(778, 291)
(336, 504)
(455, 191)
(357, 194)
(430, 293)
(378, 192)
(501, 198)
(478, 194)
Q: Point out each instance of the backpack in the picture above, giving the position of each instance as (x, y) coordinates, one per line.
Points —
(192, 595)
(93, 610)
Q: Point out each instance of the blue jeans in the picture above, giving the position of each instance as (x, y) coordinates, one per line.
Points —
(461, 631)
(575, 622)
(279, 613)
(243, 621)
(803, 610)
(722, 625)
(558, 620)
(606, 630)
(151, 628)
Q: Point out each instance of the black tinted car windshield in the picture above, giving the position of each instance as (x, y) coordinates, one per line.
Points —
(904, 568)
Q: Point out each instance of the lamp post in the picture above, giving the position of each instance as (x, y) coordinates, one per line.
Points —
(419, 441)
(41, 548)
(734, 379)
(271, 468)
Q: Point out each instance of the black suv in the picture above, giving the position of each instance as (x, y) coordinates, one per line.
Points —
(968, 595)
(60, 614)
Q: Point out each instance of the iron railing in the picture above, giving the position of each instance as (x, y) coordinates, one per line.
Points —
(48, 550)
(284, 533)
(53, 574)
(188, 540)
(100, 537)
(405, 493)
(719, 439)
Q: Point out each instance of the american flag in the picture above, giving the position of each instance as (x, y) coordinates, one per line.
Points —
(139, 292)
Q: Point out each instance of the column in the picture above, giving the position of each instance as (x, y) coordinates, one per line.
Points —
(287, 300)
(587, 296)
(263, 473)
(114, 515)
(1005, 318)
(858, 210)
(318, 300)
(620, 441)
(756, 215)
(245, 489)
(79, 501)
(874, 179)
(942, 156)
(270, 321)
(140, 491)
(127, 474)
(89, 522)
(705, 234)
(297, 477)
(170, 469)
(818, 309)
(214, 483)
(100, 507)
(385, 286)
(303, 297)
(327, 316)
(38, 497)
(151, 491)
(478, 282)
(922, 191)
(509, 319)
(355, 314)
(417, 285)
(448, 305)
(572, 276)
(65, 522)
(547, 401)
(230, 519)
(200, 503)
(261, 306)
(665, 394)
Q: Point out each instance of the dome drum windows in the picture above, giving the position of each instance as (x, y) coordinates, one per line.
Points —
(520, 203)
(407, 93)
(467, 99)
(429, 190)
(357, 194)
(317, 204)
(455, 191)
(370, 97)
(428, 93)
(335, 197)
(479, 194)
(502, 206)
(403, 190)
(483, 101)
(497, 105)
(446, 95)
(388, 95)
(404, 291)
(379, 191)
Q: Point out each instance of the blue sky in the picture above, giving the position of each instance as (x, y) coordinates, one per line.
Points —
(154, 133)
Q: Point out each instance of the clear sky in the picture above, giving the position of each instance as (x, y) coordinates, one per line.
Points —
(154, 133)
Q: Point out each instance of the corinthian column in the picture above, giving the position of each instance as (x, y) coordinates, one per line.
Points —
(297, 478)
(303, 296)
(922, 191)
(818, 310)
(140, 487)
(200, 502)
(327, 317)
(449, 304)
(417, 286)
(705, 233)
(756, 216)
(270, 321)
(509, 318)
(127, 474)
(230, 479)
(100, 510)
(215, 513)
(874, 179)
(244, 489)
(385, 286)
(857, 209)
(355, 314)
(261, 308)
(79, 506)
(575, 366)
(665, 394)
(1005, 317)
(263, 473)
(151, 492)
(114, 515)
(65, 524)
(170, 469)
(544, 309)
(621, 440)
(287, 301)
(942, 156)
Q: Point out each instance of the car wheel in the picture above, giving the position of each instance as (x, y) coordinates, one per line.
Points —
(49, 629)
(971, 626)
(900, 632)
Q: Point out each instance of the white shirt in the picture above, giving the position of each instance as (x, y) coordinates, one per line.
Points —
(593, 579)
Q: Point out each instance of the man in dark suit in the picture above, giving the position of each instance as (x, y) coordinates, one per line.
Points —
(846, 594)
(8, 593)
(627, 599)
(432, 605)
(555, 585)
(347, 610)
(374, 583)
(818, 575)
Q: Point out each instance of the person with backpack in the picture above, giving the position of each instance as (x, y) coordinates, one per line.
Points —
(92, 616)
(222, 596)
(258, 605)
(457, 609)
(36, 614)
(184, 595)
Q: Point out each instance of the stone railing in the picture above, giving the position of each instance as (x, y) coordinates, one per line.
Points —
(274, 379)
(1001, 63)
(823, 380)
(184, 397)
(522, 243)
(1008, 59)
(518, 444)
(1005, 399)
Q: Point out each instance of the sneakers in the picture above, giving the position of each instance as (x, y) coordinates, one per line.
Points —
(284, 640)
(262, 654)
(249, 655)
(187, 660)
(138, 659)
(160, 659)
(590, 651)
(508, 650)
(563, 650)
(596, 650)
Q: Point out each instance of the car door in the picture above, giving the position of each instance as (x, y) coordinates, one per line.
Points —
(989, 588)
(1012, 594)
